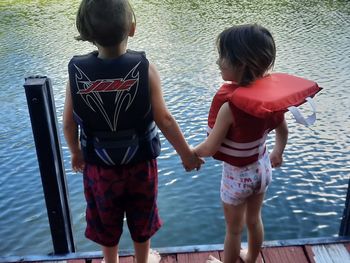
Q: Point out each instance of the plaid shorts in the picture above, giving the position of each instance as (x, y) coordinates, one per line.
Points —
(111, 193)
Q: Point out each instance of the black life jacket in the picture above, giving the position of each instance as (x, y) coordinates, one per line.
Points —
(111, 104)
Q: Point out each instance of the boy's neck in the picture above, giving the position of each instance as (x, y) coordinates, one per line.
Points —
(112, 51)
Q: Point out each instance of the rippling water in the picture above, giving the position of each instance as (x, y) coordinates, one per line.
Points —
(307, 196)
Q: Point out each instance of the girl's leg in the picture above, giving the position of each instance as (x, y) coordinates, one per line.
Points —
(110, 254)
(254, 226)
(234, 216)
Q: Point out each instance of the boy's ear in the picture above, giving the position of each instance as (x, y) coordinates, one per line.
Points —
(132, 29)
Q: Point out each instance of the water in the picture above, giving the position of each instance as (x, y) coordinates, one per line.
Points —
(307, 196)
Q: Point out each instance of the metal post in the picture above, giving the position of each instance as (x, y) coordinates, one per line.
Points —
(48, 148)
(345, 222)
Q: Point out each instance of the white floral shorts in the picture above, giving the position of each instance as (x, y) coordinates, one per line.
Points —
(238, 183)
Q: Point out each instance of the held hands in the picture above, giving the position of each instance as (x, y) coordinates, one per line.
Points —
(276, 159)
(192, 162)
(78, 163)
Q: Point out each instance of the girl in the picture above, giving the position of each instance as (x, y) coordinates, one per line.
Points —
(246, 53)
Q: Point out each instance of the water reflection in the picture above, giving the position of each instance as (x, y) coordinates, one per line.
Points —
(306, 198)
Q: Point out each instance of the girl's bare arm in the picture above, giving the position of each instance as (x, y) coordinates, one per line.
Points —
(212, 143)
(281, 139)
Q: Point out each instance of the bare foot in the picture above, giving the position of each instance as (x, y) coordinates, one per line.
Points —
(243, 254)
(211, 259)
(153, 256)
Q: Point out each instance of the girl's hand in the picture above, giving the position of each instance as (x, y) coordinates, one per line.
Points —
(276, 159)
(78, 163)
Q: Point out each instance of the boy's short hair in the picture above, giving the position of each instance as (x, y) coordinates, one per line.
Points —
(105, 22)
(249, 46)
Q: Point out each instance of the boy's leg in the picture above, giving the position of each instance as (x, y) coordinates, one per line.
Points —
(142, 253)
(255, 227)
(110, 254)
(234, 216)
(103, 189)
(141, 209)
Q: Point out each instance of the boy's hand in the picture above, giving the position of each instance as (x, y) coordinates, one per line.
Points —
(78, 162)
(192, 162)
(276, 159)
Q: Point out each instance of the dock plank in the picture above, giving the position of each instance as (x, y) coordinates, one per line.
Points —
(347, 245)
(260, 259)
(199, 257)
(221, 253)
(331, 253)
(320, 250)
(290, 254)
(128, 259)
(168, 259)
(238, 261)
(310, 254)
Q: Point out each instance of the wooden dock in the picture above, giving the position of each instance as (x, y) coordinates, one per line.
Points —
(337, 253)
(42, 113)
(312, 250)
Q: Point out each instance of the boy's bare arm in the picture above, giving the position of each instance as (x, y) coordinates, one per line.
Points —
(281, 139)
(167, 124)
(70, 130)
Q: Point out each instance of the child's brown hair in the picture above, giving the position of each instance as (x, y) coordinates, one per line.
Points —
(105, 22)
(251, 48)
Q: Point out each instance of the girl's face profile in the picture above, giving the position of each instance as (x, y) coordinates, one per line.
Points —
(227, 70)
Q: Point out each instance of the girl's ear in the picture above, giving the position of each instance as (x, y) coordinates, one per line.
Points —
(132, 29)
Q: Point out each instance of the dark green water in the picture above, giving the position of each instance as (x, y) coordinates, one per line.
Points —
(307, 196)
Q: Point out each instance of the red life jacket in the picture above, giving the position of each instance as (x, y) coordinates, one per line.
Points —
(257, 110)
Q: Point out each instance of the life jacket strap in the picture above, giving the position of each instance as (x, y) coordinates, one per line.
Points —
(298, 116)
(239, 149)
(121, 139)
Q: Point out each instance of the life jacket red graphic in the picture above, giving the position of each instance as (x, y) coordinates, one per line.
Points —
(257, 110)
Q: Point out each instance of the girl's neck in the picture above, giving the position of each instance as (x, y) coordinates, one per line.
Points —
(112, 51)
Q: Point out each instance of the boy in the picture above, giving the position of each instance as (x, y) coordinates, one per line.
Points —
(115, 96)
